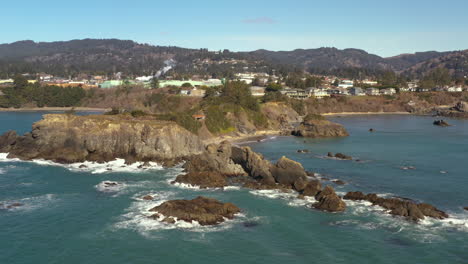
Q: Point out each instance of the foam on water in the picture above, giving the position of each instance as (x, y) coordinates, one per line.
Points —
(428, 230)
(137, 217)
(291, 197)
(30, 203)
(117, 165)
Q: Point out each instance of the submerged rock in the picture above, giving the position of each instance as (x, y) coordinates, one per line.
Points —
(339, 156)
(206, 211)
(398, 206)
(147, 198)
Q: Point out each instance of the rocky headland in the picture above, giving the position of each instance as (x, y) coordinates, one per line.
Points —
(316, 126)
(70, 138)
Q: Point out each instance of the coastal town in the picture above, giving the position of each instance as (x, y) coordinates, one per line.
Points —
(260, 83)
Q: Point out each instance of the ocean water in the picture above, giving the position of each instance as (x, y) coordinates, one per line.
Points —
(68, 217)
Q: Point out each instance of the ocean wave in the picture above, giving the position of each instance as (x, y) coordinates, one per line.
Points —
(137, 217)
(3, 171)
(117, 165)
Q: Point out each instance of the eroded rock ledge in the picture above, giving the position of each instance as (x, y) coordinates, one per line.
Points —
(399, 206)
(206, 211)
(70, 138)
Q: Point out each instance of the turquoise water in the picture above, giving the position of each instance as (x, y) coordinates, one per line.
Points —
(67, 218)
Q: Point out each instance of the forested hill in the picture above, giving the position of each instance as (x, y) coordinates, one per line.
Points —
(107, 56)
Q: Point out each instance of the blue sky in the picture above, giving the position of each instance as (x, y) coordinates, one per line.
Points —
(385, 28)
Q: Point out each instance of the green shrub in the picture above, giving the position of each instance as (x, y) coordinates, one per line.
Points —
(138, 113)
(216, 120)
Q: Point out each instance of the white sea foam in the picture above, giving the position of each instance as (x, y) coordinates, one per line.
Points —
(291, 197)
(117, 165)
(29, 203)
(137, 217)
(3, 171)
(428, 229)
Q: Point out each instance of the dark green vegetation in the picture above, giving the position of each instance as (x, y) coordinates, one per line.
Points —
(108, 56)
(23, 93)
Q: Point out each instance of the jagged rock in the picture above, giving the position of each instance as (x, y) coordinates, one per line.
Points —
(327, 200)
(287, 171)
(343, 156)
(300, 184)
(7, 140)
(203, 179)
(147, 197)
(461, 107)
(431, 211)
(253, 163)
(318, 128)
(441, 123)
(216, 158)
(466, 208)
(339, 182)
(312, 188)
(399, 206)
(206, 211)
(70, 138)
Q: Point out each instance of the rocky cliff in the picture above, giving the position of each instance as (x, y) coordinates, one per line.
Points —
(70, 138)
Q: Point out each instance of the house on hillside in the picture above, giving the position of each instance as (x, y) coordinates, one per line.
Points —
(455, 89)
(388, 91)
(372, 91)
(296, 93)
(356, 91)
(318, 93)
(257, 91)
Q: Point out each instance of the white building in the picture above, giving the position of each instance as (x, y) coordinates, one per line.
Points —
(257, 91)
(454, 89)
(372, 91)
(388, 91)
(346, 84)
(318, 93)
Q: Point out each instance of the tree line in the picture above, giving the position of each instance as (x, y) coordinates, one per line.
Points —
(23, 93)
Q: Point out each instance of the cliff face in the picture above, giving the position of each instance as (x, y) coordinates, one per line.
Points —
(70, 138)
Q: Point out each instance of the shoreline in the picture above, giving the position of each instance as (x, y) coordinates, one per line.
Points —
(44, 109)
(366, 113)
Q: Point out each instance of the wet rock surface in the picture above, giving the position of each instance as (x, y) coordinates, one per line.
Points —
(441, 123)
(398, 206)
(206, 211)
(328, 200)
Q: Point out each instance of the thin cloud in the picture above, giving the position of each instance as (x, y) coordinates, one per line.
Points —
(259, 20)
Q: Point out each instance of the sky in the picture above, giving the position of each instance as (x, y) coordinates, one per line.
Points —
(386, 28)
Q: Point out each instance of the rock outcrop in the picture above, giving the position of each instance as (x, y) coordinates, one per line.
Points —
(399, 206)
(211, 168)
(441, 123)
(69, 138)
(319, 128)
(328, 200)
(206, 211)
(339, 156)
